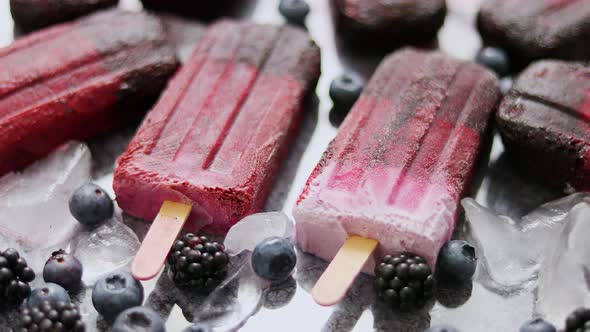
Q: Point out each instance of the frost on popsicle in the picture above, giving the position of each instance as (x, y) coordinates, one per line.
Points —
(250, 231)
(547, 249)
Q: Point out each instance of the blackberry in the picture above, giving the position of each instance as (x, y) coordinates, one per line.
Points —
(198, 262)
(48, 317)
(15, 276)
(405, 281)
(578, 321)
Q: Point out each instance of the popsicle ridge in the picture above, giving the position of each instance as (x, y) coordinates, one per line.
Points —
(73, 47)
(403, 158)
(57, 81)
(217, 135)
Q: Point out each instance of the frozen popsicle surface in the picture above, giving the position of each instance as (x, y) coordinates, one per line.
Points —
(389, 23)
(218, 134)
(78, 80)
(402, 159)
(545, 123)
(531, 30)
(199, 8)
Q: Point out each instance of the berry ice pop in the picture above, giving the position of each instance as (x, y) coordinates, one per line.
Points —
(545, 123)
(389, 23)
(536, 29)
(200, 9)
(217, 136)
(34, 14)
(78, 80)
(402, 159)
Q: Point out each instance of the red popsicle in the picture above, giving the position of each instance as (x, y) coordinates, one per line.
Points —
(402, 161)
(78, 80)
(216, 138)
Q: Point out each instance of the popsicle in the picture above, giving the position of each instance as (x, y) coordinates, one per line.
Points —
(200, 9)
(78, 80)
(389, 23)
(399, 165)
(545, 123)
(216, 138)
(530, 30)
(34, 14)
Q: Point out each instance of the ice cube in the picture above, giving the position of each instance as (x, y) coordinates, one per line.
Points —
(564, 279)
(34, 203)
(237, 299)
(108, 247)
(511, 251)
(250, 231)
(502, 250)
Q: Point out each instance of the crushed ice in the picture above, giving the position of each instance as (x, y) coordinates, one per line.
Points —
(237, 299)
(34, 203)
(546, 249)
(35, 218)
(251, 230)
(242, 293)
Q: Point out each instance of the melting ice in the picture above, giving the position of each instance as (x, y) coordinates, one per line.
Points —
(547, 249)
(35, 218)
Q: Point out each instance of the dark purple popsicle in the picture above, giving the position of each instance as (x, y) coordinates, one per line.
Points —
(389, 23)
(536, 29)
(545, 122)
(34, 14)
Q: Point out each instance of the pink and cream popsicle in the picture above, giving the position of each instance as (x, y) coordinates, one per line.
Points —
(217, 136)
(402, 160)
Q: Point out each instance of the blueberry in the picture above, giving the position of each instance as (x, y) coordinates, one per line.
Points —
(49, 292)
(456, 261)
(63, 269)
(115, 293)
(537, 325)
(442, 328)
(198, 327)
(274, 258)
(295, 11)
(139, 319)
(344, 91)
(91, 205)
(495, 59)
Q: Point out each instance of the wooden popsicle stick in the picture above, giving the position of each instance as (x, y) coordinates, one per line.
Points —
(157, 243)
(340, 274)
